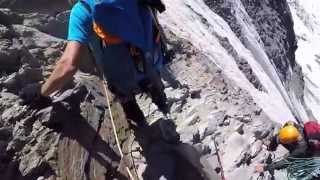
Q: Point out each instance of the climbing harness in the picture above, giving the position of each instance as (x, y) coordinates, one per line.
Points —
(219, 158)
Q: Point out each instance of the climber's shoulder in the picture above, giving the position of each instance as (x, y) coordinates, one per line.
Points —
(80, 24)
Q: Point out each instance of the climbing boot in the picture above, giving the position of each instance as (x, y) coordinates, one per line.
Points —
(160, 99)
(168, 131)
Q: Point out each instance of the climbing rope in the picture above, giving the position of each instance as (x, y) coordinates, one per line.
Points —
(104, 83)
(303, 168)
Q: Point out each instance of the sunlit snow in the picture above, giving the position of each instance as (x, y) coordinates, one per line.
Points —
(186, 18)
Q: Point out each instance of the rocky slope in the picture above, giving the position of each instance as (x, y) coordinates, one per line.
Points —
(232, 82)
(68, 138)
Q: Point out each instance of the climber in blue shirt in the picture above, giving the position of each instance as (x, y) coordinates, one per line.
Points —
(128, 51)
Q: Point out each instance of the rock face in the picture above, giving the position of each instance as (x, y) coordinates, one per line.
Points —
(68, 138)
(221, 119)
(232, 82)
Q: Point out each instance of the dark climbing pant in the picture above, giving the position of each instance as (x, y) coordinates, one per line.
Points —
(133, 112)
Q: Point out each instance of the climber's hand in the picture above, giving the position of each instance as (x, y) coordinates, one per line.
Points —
(259, 168)
(31, 94)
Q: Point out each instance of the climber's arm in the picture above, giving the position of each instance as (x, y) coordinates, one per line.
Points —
(277, 165)
(65, 69)
(300, 150)
(79, 31)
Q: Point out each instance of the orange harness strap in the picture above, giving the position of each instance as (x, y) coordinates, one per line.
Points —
(106, 37)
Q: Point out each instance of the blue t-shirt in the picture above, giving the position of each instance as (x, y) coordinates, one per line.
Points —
(115, 60)
(80, 24)
(81, 30)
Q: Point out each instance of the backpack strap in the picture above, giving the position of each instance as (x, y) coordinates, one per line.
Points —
(106, 37)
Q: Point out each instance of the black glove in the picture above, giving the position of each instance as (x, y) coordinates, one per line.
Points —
(274, 142)
(31, 94)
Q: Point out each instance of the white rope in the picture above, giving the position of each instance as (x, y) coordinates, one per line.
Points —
(113, 125)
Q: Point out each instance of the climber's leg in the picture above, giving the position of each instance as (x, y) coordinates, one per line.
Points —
(133, 112)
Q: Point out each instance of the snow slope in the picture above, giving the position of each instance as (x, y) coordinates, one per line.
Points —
(195, 21)
(307, 27)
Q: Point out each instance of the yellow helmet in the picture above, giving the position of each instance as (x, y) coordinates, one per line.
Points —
(289, 134)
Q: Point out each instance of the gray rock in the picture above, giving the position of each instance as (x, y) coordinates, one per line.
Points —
(5, 133)
(244, 118)
(32, 38)
(256, 148)
(28, 75)
(195, 94)
(16, 145)
(193, 120)
(52, 54)
(9, 59)
(4, 32)
(221, 117)
(29, 59)
(224, 90)
(240, 129)
(45, 115)
(8, 17)
(30, 163)
(3, 146)
(214, 164)
(13, 114)
(258, 111)
(202, 149)
(210, 130)
(55, 26)
(8, 99)
(11, 83)
(217, 117)
(226, 122)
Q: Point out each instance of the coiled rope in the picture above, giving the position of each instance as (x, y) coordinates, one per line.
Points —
(303, 168)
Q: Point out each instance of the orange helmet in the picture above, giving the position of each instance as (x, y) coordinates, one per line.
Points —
(289, 133)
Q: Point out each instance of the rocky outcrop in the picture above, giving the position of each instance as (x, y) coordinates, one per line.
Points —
(40, 14)
(213, 115)
(272, 20)
(274, 24)
(68, 138)
(71, 137)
